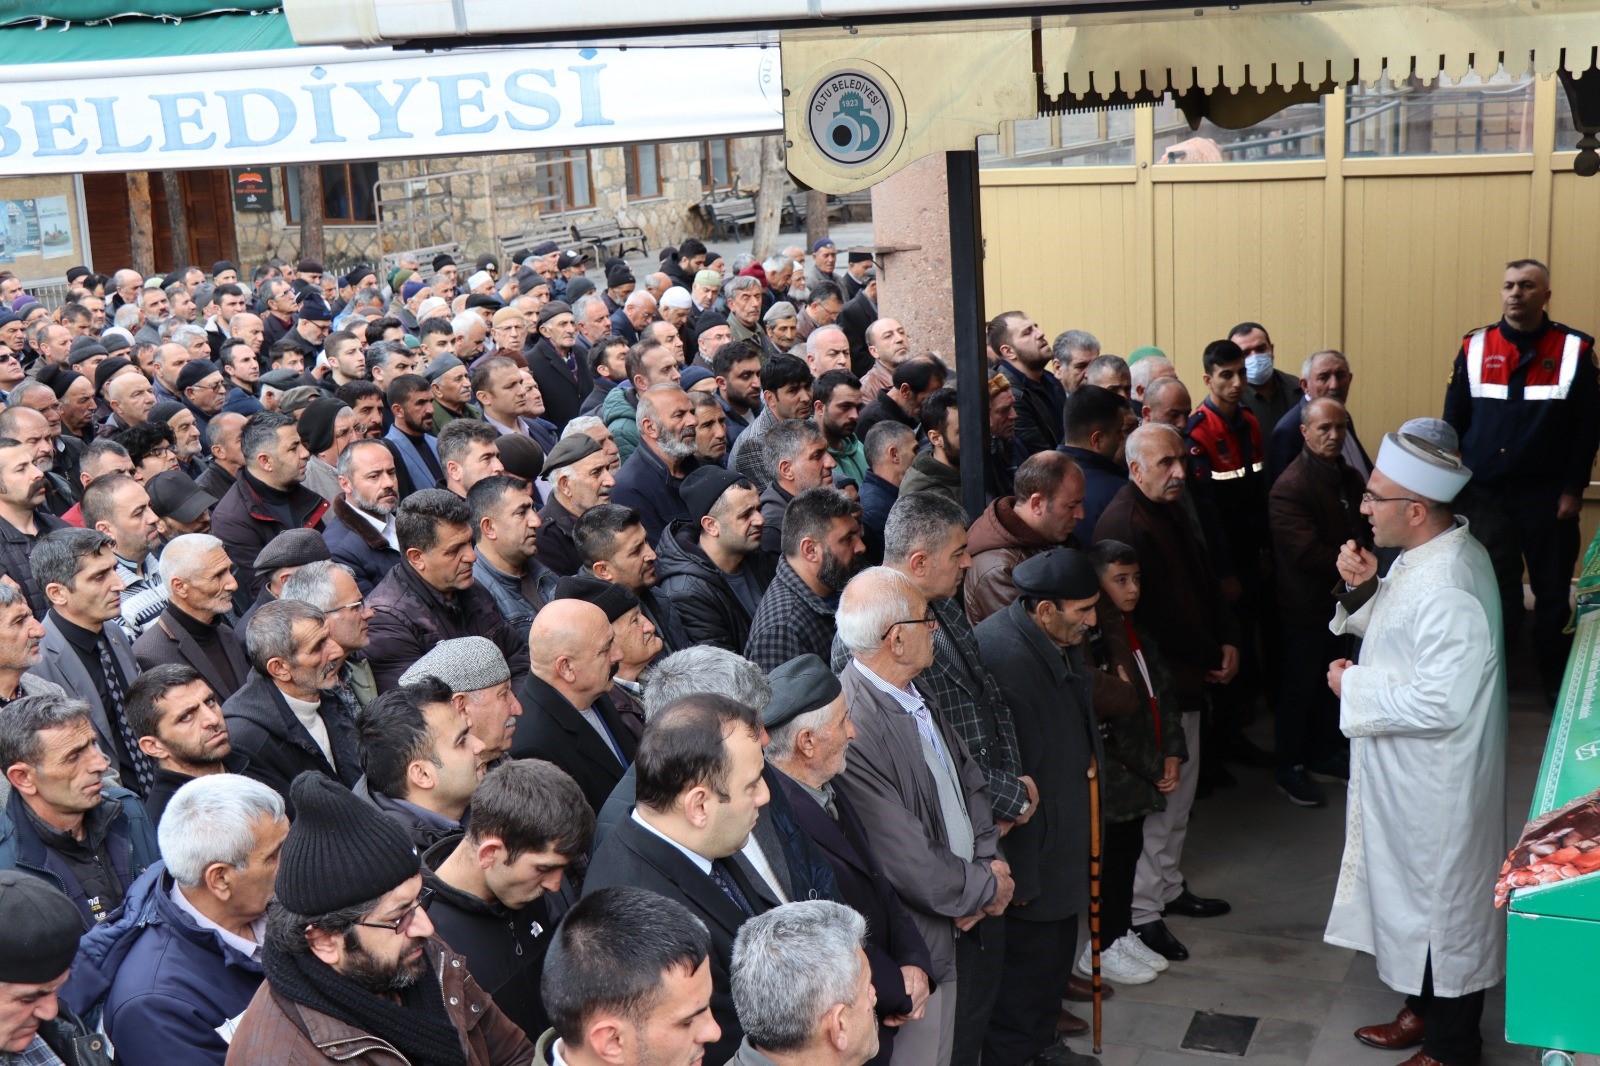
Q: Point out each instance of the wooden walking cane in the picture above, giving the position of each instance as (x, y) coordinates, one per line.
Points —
(1094, 894)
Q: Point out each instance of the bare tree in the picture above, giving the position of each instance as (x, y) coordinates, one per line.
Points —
(311, 240)
(177, 219)
(141, 237)
(768, 198)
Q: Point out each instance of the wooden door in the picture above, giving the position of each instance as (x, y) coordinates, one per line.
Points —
(208, 200)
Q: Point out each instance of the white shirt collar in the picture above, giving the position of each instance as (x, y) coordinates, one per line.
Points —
(701, 863)
(249, 949)
(909, 699)
(385, 527)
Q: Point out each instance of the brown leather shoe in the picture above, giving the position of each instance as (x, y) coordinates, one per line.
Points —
(1079, 990)
(1419, 1059)
(1404, 1032)
(1069, 1024)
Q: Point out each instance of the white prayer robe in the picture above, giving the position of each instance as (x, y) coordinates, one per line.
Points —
(1425, 825)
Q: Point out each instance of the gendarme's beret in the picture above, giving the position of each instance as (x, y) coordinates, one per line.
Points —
(552, 309)
(569, 451)
(800, 685)
(442, 364)
(293, 547)
(703, 487)
(614, 600)
(464, 664)
(1058, 574)
(39, 930)
(195, 371)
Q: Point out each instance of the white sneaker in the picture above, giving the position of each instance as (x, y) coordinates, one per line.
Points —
(1118, 966)
(1143, 952)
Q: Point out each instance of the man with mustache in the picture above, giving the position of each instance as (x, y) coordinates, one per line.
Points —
(178, 720)
(287, 719)
(190, 630)
(351, 954)
(20, 637)
(580, 477)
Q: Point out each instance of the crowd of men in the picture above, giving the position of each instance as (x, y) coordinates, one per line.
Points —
(488, 666)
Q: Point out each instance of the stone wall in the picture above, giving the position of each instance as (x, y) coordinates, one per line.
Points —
(490, 196)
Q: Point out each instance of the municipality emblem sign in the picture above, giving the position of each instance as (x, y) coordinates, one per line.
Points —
(850, 118)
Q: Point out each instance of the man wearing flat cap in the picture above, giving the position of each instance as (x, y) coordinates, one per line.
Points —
(580, 477)
(479, 680)
(1034, 647)
(1425, 711)
(283, 555)
(810, 729)
(39, 930)
(351, 958)
(562, 375)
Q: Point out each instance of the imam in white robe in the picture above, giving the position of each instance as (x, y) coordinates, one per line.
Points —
(1425, 711)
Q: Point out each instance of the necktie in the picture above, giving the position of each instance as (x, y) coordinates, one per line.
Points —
(143, 769)
(725, 881)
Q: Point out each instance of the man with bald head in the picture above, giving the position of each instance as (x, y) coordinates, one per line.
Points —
(1313, 510)
(567, 719)
(130, 399)
(1325, 374)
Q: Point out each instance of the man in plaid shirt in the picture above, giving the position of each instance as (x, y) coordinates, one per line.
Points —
(822, 549)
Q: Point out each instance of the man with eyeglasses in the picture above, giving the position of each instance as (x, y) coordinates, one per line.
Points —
(351, 954)
(311, 326)
(1425, 711)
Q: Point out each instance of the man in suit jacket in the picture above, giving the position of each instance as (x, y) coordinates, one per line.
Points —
(287, 719)
(566, 717)
(700, 790)
(198, 575)
(411, 439)
(925, 802)
(76, 571)
(808, 722)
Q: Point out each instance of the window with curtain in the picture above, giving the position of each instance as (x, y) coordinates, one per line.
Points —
(346, 193)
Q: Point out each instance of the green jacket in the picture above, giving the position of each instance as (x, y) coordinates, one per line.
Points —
(850, 460)
(442, 417)
(620, 412)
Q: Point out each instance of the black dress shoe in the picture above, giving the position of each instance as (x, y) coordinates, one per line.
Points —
(1159, 939)
(1189, 905)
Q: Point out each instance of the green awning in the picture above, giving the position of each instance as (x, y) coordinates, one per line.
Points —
(100, 10)
(143, 38)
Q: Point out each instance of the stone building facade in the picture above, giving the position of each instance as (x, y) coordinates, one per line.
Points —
(474, 201)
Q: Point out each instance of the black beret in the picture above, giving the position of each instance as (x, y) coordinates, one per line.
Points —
(103, 372)
(1058, 574)
(570, 450)
(293, 547)
(801, 685)
(316, 423)
(39, 930)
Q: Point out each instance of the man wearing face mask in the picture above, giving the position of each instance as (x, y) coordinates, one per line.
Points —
(1269, 392)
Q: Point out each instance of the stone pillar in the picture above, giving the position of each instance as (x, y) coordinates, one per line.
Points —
(911, 209)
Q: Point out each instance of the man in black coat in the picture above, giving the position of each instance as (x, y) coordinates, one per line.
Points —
(566, 717)
(682, 832)
(360, 528)
(287, 719)
(267, 497)
(430, 595)
(711, 568)
(501, 888)
(558, 368)
(809, 723)
(191, 630)
(1033, 646)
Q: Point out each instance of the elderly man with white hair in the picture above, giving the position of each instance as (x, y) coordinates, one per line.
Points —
(191, 631)
(803, 989)
(1142, 372)
(181, 961)
(636, 312)
(925, 803)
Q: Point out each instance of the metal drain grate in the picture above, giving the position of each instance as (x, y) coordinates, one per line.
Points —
(1223, 1034)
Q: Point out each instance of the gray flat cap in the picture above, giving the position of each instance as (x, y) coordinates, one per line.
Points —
(293, 547)
(466, 664)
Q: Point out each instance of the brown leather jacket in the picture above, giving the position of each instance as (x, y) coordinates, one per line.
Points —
(998, 541)
(279, 1031)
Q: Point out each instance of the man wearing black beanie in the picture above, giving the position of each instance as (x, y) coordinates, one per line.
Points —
(350, 956)
(39, 929)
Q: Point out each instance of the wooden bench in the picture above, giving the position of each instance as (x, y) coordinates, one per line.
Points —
(527, 240)
(727, 216)
(851, 206)
(425, 257)
(794, 210)
(607, 236)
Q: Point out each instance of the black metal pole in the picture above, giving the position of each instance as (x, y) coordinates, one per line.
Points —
(972, 359)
